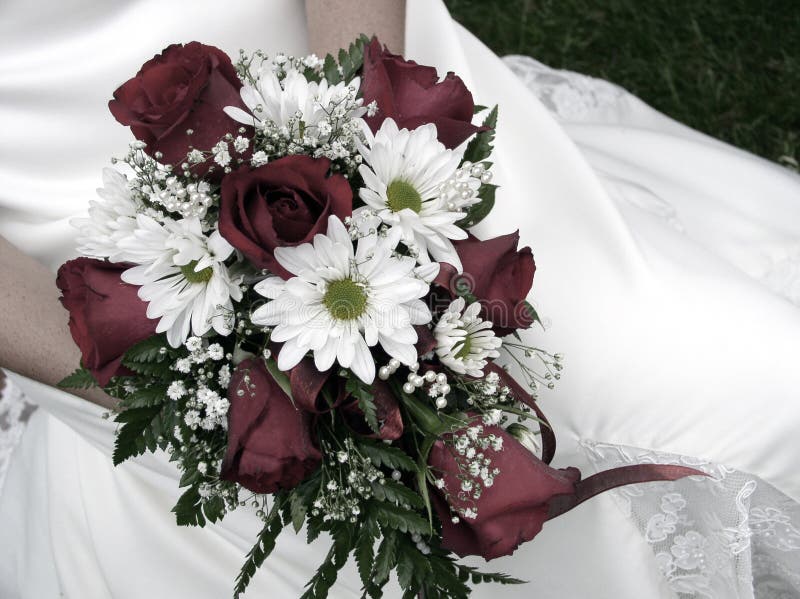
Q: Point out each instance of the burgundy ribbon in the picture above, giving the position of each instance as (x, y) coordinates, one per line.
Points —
(388, 412)
(616, 477)
(307, 382)
(520, 394)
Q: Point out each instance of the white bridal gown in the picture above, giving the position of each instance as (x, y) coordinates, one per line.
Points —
(668, 275)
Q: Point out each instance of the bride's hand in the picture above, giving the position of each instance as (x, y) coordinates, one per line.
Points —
(34, 336)
(333, 24)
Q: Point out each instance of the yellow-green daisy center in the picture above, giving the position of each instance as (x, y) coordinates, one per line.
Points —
(188, 272)
(401, 194)
(345, 299)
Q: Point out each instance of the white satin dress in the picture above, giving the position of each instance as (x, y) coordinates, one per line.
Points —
(668, 275)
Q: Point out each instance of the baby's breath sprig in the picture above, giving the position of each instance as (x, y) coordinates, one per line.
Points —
(475, 472)
(550, 365)
(346, 483)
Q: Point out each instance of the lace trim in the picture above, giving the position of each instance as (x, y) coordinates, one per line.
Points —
(14, 414)
(568, 95)
(575, 98)
(731, 535)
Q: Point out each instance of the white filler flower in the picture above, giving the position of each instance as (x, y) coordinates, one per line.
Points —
(110, 220)
(183, 277)
(464, 341)
(409, 178)
(341, 302)
(297, 106)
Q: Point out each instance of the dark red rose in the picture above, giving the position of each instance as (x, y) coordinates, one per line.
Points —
(412, 95)
(498, 275)
(511, 511)
(526, 493)
(283, 203)
(184, 87)
(269, 440)
(106, 316)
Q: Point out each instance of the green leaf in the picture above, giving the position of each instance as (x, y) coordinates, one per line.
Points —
(152, 349)
(354, 57)
(299, 511)
(313, 530)
(477, 212)
(422, 481)
(350, 60)
(398, 493)
(425, 417)
(153, 370)
(532, 311)
(189, 509)
(345, 62)
(154, 395)
(264, 545)
(483, 577)
(398, 518)
(365, 553)
(413, 568)
(214, 508)
(301, 498)
(323, 580)
(81, 378)
(386, 558)
(331, 70)
(481, 145)
(131, 440)
(382, 454)
(478, 108)
(405, 570)
(280, 377)
(447, 576)
(366, 402)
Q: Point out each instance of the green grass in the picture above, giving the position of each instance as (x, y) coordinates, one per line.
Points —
(730, 68)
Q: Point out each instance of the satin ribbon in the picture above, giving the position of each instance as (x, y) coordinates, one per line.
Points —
(520, 394)
(616, 477)
(597, 483)
(307, 382)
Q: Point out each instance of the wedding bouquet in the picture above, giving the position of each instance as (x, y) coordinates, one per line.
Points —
(279, 285)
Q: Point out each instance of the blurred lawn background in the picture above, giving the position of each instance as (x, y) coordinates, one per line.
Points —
(730, 68)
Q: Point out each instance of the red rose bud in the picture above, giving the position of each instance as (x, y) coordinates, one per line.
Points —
(523, 495)
(498, 275)
(283, 203)
(412, 95)
(269, 440)
(106, 316)
(184, 87)
(509, 512)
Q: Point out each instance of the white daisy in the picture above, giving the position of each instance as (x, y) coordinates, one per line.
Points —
(295, 106)
(110, 220)
(412, 183)
(182, 275)
(464, 341)
(342, 302)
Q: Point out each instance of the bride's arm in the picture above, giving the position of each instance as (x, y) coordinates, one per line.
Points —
(333, 24)
(34, 336)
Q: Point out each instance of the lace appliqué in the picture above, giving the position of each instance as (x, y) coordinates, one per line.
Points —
(14, 413)
(574, 98)
(730, 535)
(568, 95)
